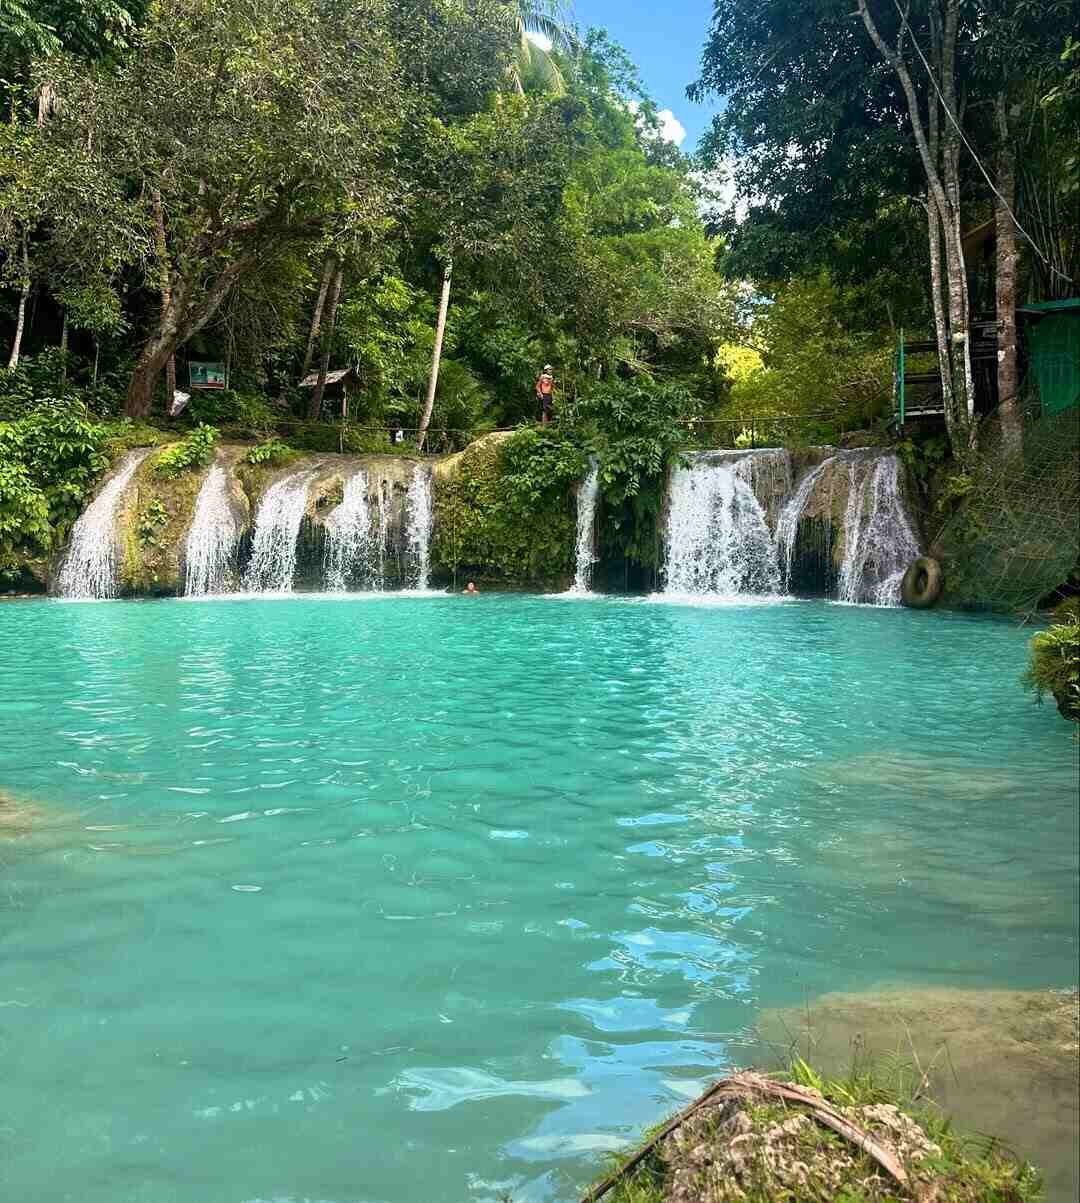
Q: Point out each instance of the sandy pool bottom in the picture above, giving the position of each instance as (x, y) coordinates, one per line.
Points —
(1004, 1063)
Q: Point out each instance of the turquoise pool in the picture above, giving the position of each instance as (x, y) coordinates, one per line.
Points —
(430, 898)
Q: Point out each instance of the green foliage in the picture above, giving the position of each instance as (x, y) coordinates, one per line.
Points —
(967, 1169)
(125, 435)
(273, 451)
(1054, 667)
(923, 457)
(812, 363)
(226, 407)
(503, 508)
(152, 517)
(637, 428)
(49, 461)
(24, 513)
(196, 451)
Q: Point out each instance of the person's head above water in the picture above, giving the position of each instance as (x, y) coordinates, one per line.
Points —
(471, 587)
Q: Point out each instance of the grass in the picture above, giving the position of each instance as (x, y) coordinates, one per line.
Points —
(761, 1152)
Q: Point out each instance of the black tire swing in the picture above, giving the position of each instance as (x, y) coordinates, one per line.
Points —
(922, 582)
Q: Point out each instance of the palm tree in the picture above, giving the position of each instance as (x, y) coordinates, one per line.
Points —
(546, 18)
(532, 62)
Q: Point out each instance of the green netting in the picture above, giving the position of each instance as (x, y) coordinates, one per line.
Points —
(1017, 536)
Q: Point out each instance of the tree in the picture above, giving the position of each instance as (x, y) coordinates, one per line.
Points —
(492, 184)
(543, 16)
(277, 136)
(532, 62)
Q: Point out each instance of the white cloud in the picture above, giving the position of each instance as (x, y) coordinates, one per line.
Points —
(539, 39)
(671, 128)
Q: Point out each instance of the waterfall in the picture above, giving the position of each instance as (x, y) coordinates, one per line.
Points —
(89, 568)
(787, 525)
(721, 507)
(718, 539)
(212, 541)
(418, 528)
(350, 540)
(879, 543)
(584, 550)
(277, 524)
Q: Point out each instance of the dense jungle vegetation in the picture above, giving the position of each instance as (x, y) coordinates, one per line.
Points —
(419, 193)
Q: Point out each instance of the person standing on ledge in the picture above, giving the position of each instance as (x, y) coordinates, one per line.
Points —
(545, 389)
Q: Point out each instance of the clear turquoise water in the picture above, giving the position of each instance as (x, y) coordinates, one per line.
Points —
(439, 898)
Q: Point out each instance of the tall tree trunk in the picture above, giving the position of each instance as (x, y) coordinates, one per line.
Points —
(162, 247)
(945, 195)
(316, 317)
(937, 294)
(315, 408)
(436, 356)
(63, 349)
(179, 321)
(24, 296)
(1012, 432)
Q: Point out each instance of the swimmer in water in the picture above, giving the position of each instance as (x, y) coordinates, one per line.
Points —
(471, 588)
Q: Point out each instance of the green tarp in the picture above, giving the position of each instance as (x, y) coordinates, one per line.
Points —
(1054, 341)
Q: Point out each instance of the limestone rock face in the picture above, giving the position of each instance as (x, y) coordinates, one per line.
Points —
(156, 514)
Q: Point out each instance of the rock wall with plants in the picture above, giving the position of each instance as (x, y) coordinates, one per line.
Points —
(505, 510)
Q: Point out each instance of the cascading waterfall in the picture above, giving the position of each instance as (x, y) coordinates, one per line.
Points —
(89, 568)
(212, 541)
(718, 539)
(277, 525)
(721, 507)
(787, 525)
(350, 540)
(879, 543)
(418, 528)
(584, 550)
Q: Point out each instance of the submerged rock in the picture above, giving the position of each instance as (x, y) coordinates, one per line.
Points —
(999, 1062)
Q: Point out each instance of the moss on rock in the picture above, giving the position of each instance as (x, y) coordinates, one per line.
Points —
(483, 530)
(154, 520)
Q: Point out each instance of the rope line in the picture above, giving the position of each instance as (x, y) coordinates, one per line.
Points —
(971, 150)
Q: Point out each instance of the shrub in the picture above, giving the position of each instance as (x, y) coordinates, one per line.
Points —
(49, 461)
(273, 451)
(1055, 661)
(638, 428)
(196, 451)
(24, 515)
(152, 518)
(503, 507)
(226, 407)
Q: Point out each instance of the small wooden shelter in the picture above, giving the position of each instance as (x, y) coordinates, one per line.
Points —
(337, 387)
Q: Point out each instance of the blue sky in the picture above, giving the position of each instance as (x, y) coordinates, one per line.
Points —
(665, 40)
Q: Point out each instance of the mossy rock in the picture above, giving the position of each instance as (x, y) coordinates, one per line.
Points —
(154, 520)
(479, 534)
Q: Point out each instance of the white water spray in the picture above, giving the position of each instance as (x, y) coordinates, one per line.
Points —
(718, 540)
(879, 543)
(211, 544)
(350, 541)
(277, 525)
(418, 527)
(584, 550)
(89, 568)
(787, 525)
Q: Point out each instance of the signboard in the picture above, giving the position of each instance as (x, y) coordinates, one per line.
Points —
(207, 375)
